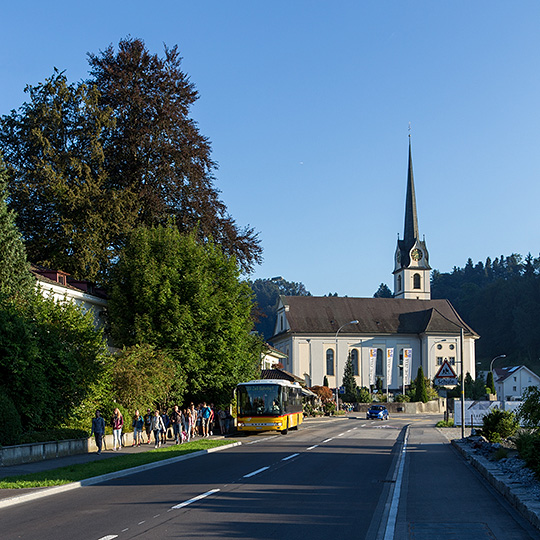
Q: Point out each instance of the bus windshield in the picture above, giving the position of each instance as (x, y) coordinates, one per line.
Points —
(257, 399)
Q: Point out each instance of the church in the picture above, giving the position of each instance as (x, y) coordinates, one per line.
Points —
(385, 338)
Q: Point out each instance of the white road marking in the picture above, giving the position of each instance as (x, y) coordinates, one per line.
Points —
(157, 515)
(256, 472)
(110, 537)
(141, 522)
(312, 447)
(341, 434)
(392, 515)
(126, 529)
(327, 440)
(262, 440)
(290, 457)
(195, 499)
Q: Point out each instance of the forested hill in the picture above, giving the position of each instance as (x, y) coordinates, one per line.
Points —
(267, 292)
(500, 300)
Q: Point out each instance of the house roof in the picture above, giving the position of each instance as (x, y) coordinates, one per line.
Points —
(325, 315)
(503, 373)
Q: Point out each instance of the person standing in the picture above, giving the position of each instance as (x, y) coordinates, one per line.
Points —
(177, 421)
(138, 423)
(205, 419)
(117, 425)
(157, 426)
(98, 430)
(148, 424)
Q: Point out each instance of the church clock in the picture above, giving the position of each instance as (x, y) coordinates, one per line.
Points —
(416, 254)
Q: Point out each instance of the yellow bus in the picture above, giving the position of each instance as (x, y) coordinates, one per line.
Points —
(269, 405)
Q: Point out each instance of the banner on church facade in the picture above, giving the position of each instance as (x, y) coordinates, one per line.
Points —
(407, 362)
(389, 366)
(372, 362)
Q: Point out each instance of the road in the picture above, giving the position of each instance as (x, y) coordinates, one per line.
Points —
(346, 478)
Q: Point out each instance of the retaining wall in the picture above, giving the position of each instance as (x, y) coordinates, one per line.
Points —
(28, 453)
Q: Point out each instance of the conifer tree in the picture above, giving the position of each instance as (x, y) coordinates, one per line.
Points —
(491, 382)
(349, 382)
(15, 277)
(420, 387)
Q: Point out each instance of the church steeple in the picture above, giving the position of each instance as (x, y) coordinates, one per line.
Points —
(410, 233)
(411, 270)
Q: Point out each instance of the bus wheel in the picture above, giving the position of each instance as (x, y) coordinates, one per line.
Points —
(285, 431)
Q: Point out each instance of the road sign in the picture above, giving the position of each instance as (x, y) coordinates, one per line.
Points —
(446, 376)
(341, 389)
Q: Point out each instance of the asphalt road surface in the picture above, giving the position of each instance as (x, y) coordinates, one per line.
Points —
(333, 478)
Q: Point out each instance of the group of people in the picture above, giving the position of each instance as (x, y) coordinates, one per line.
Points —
(182, 425)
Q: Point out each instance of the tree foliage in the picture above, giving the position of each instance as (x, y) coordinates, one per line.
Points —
(90, 161)
(267, 292)
(50, 353)
(186, 299)
(349, 382)
(420, 387)
(383, 292)
(529, 410)
(500, 299)
(15, 278)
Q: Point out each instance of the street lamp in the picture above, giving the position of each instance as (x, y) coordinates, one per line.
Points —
(491, 365)
(491, 370)
(337, 385)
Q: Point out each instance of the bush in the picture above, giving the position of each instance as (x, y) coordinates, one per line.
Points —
(529, 410)
(528, 446)
(445, 423)
(329, 407)
(499, 425)
(10, 422)
(402, 398)
(61, 434)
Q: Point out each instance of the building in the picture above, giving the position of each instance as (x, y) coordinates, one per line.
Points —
(319, 334)
(511, 382)
(62, 287)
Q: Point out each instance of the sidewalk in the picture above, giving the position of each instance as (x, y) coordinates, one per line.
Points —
(51, 464)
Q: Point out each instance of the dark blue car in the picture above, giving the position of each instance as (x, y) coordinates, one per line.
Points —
(377, 412)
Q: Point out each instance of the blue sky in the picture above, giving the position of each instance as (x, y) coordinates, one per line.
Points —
(307, 105)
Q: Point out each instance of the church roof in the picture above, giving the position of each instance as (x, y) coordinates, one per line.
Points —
(324, 315)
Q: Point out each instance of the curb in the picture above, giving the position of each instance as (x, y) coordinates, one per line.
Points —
(515, 495)
(46, 492)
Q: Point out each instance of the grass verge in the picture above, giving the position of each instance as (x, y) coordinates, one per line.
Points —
(81, 471)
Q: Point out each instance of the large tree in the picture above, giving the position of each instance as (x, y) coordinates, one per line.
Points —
(156, 150)
(15, 277)
(90, 161)
(186, 298)
(65, 211)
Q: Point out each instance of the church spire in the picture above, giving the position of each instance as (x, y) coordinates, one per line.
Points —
(410, 233)
(411, 263)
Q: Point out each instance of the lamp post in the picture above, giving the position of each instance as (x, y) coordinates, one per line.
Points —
(337, 372)
(491, 370)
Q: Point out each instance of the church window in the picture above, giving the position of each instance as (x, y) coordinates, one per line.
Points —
(329, 361)
(379, 364)
(354, 361)
(451, 347)
(399, 283)
(452, 360)
(439, 346)
(417, 282)
(439, 360)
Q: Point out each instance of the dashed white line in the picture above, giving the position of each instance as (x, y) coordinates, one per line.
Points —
(312, 447)
(141, 522)
(110, 537)
(290, 457)
(126, 529)
(262, 440)
(327, 440)
(341, 434)
(195, 499)
(256, 472)
(157, 515)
